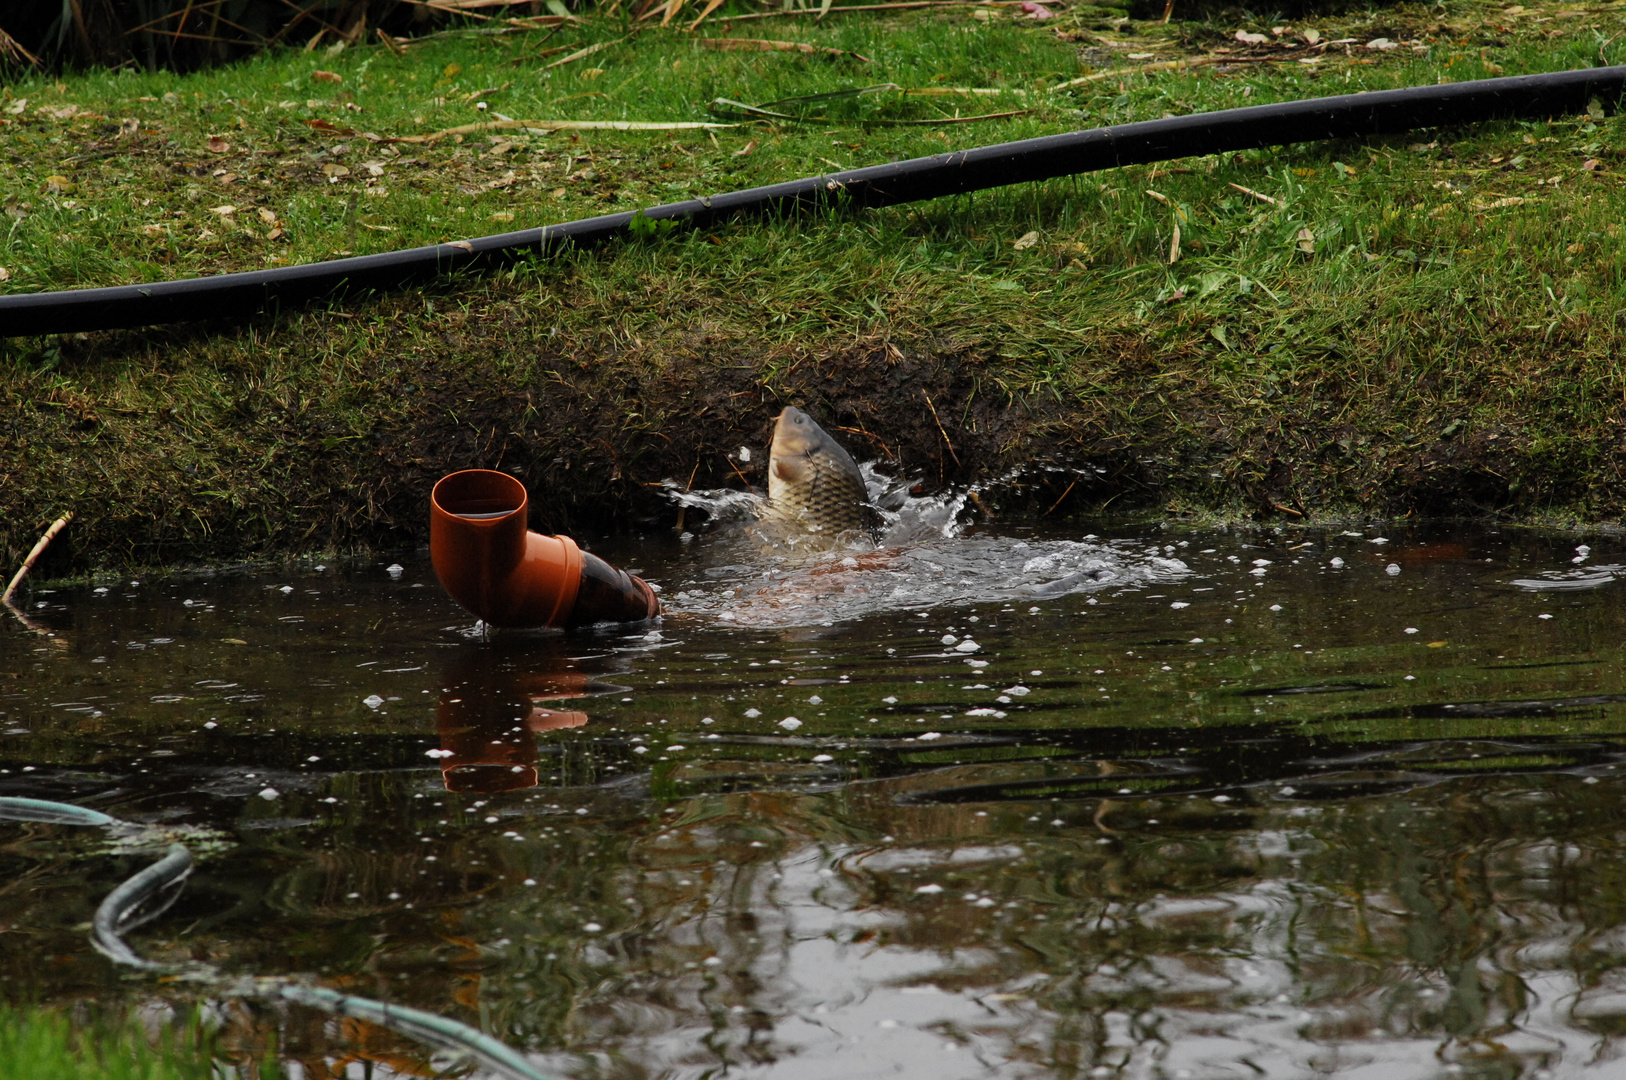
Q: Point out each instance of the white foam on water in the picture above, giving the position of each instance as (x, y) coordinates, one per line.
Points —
(754, 574)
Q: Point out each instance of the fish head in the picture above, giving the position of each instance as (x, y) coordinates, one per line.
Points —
(796, 438)
(814, 485)
(800, 450)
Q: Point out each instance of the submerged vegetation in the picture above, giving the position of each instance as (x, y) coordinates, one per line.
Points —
(1417, 324)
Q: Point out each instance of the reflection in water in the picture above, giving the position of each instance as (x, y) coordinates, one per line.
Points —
(494, 701)
(1280, 812)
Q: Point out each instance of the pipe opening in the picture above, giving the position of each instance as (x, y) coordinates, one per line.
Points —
(479, 495)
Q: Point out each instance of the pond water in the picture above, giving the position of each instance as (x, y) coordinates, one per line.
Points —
(1016, 803)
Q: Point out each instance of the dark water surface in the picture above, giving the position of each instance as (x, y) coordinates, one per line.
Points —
(1192, 805)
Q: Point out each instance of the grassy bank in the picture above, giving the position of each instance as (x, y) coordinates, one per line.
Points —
(1425, 324)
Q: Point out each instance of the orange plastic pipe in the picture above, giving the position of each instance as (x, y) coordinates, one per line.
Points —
(490, 562)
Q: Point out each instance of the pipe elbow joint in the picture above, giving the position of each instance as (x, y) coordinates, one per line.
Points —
(489, 561)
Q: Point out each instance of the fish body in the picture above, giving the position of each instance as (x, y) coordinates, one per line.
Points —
(813, 483)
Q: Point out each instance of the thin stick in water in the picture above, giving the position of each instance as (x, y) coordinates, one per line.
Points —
(39, 549)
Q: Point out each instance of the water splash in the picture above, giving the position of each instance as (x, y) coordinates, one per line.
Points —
(753, 574)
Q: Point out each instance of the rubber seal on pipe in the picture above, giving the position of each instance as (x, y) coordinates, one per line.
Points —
(1343, 117)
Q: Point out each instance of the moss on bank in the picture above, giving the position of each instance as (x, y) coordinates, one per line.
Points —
(1421, 325)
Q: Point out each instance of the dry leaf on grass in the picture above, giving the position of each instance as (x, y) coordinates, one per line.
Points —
(1027, 240)
(218, 145)
(326, 76)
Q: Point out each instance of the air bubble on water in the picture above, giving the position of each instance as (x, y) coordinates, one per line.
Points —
(395, 570)
(815, 700)
(269, 793)
(286, 589)
(1392, 569)
(372, 701)
(790, 723)
(753, 713)
(1336, 563)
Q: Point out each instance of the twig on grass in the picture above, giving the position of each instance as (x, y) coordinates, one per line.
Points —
(542, 127)
(1258, 195)
(765, 45)
(822, 12)
(581, 53)
(711, 6)
(1169, 65)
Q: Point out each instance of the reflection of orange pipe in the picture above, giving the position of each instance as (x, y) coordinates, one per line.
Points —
(489, 718)
(506, 762)
(489, 561)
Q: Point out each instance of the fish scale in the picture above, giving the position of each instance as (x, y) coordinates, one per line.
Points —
(813, 483)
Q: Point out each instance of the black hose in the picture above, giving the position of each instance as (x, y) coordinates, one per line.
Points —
(1343, 117)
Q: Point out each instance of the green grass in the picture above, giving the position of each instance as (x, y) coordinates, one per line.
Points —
(1421, 324)
(43, 1044)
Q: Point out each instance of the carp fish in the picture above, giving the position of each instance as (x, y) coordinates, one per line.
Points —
(813, 483)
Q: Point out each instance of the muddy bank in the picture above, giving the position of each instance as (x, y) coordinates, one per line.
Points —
(323, 432)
